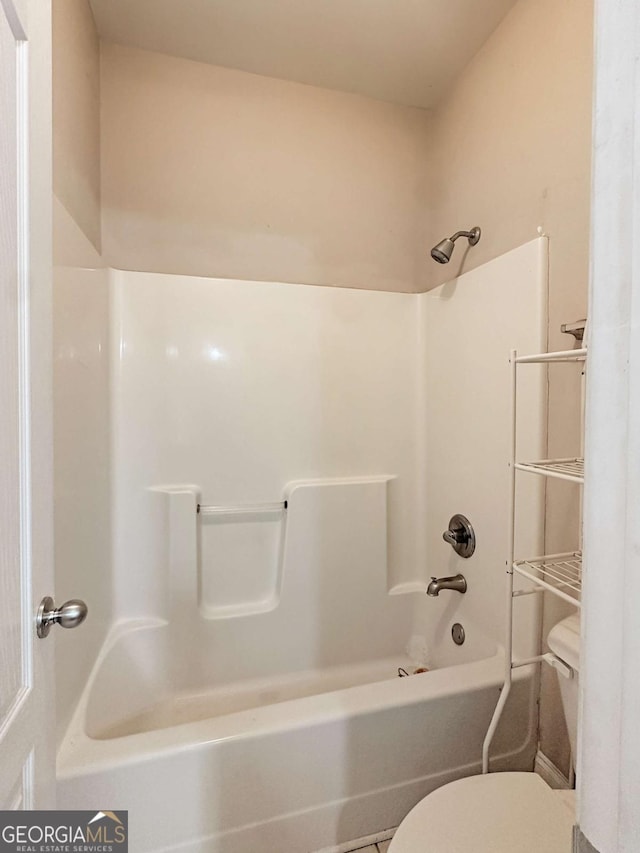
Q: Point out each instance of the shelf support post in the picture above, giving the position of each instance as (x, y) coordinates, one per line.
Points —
(508, 644)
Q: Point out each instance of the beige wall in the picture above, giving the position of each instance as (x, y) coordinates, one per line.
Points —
(82, 505)
(512, 143)
(76, 109)
(81, 382)
(210, 171)
(511, 152)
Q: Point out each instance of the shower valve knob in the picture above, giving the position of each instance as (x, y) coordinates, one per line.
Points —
(69, 615)
(460, 535)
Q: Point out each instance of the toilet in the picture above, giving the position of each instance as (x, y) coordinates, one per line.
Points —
(502, 812)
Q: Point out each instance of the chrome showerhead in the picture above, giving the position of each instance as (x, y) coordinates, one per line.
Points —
(444, 249)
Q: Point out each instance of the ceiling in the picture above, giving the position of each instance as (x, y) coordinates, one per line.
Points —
(404, 51)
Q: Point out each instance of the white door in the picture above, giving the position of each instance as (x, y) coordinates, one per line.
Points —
(609, 733)
(27, 741)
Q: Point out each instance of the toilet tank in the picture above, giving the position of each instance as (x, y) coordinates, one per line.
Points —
(564, 641)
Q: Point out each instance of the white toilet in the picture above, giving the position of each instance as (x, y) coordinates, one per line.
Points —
(502, 812)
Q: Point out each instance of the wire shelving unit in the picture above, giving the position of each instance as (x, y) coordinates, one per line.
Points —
(559, 574)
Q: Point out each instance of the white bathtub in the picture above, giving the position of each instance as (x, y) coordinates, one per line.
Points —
(286, 765)
(261, 712)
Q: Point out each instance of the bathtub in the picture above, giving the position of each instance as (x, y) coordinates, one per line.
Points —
(295, 763)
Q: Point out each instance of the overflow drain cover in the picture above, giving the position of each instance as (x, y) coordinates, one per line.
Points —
(457, 632)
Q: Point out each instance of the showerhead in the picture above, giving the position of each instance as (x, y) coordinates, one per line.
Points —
(443, 251)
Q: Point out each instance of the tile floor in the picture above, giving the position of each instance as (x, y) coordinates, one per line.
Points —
(380, 847)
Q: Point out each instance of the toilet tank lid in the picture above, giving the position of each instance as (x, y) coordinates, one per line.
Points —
(564, 640)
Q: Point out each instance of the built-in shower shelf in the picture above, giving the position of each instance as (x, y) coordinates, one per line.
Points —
(560, 574)
(571, 469)
(242, 509)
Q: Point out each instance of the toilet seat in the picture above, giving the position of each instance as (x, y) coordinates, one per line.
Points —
(496, 813)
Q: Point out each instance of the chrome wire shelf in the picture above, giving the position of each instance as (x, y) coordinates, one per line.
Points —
(559, 356)
(564, 469)
(560, 574)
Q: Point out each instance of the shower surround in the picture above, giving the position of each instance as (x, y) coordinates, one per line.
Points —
(247, 696)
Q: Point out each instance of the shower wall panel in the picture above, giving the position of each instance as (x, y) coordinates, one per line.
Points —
(227, 393)
(469, 327)
(237, 393)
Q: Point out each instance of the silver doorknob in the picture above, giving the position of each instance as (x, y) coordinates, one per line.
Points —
(71, 614)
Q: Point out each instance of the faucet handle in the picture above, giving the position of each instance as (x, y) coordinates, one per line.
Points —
(451, 536)
(460, 535)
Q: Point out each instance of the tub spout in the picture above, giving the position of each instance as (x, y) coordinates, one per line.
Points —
(457, 583)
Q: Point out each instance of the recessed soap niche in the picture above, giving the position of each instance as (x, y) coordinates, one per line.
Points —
(240, 556)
